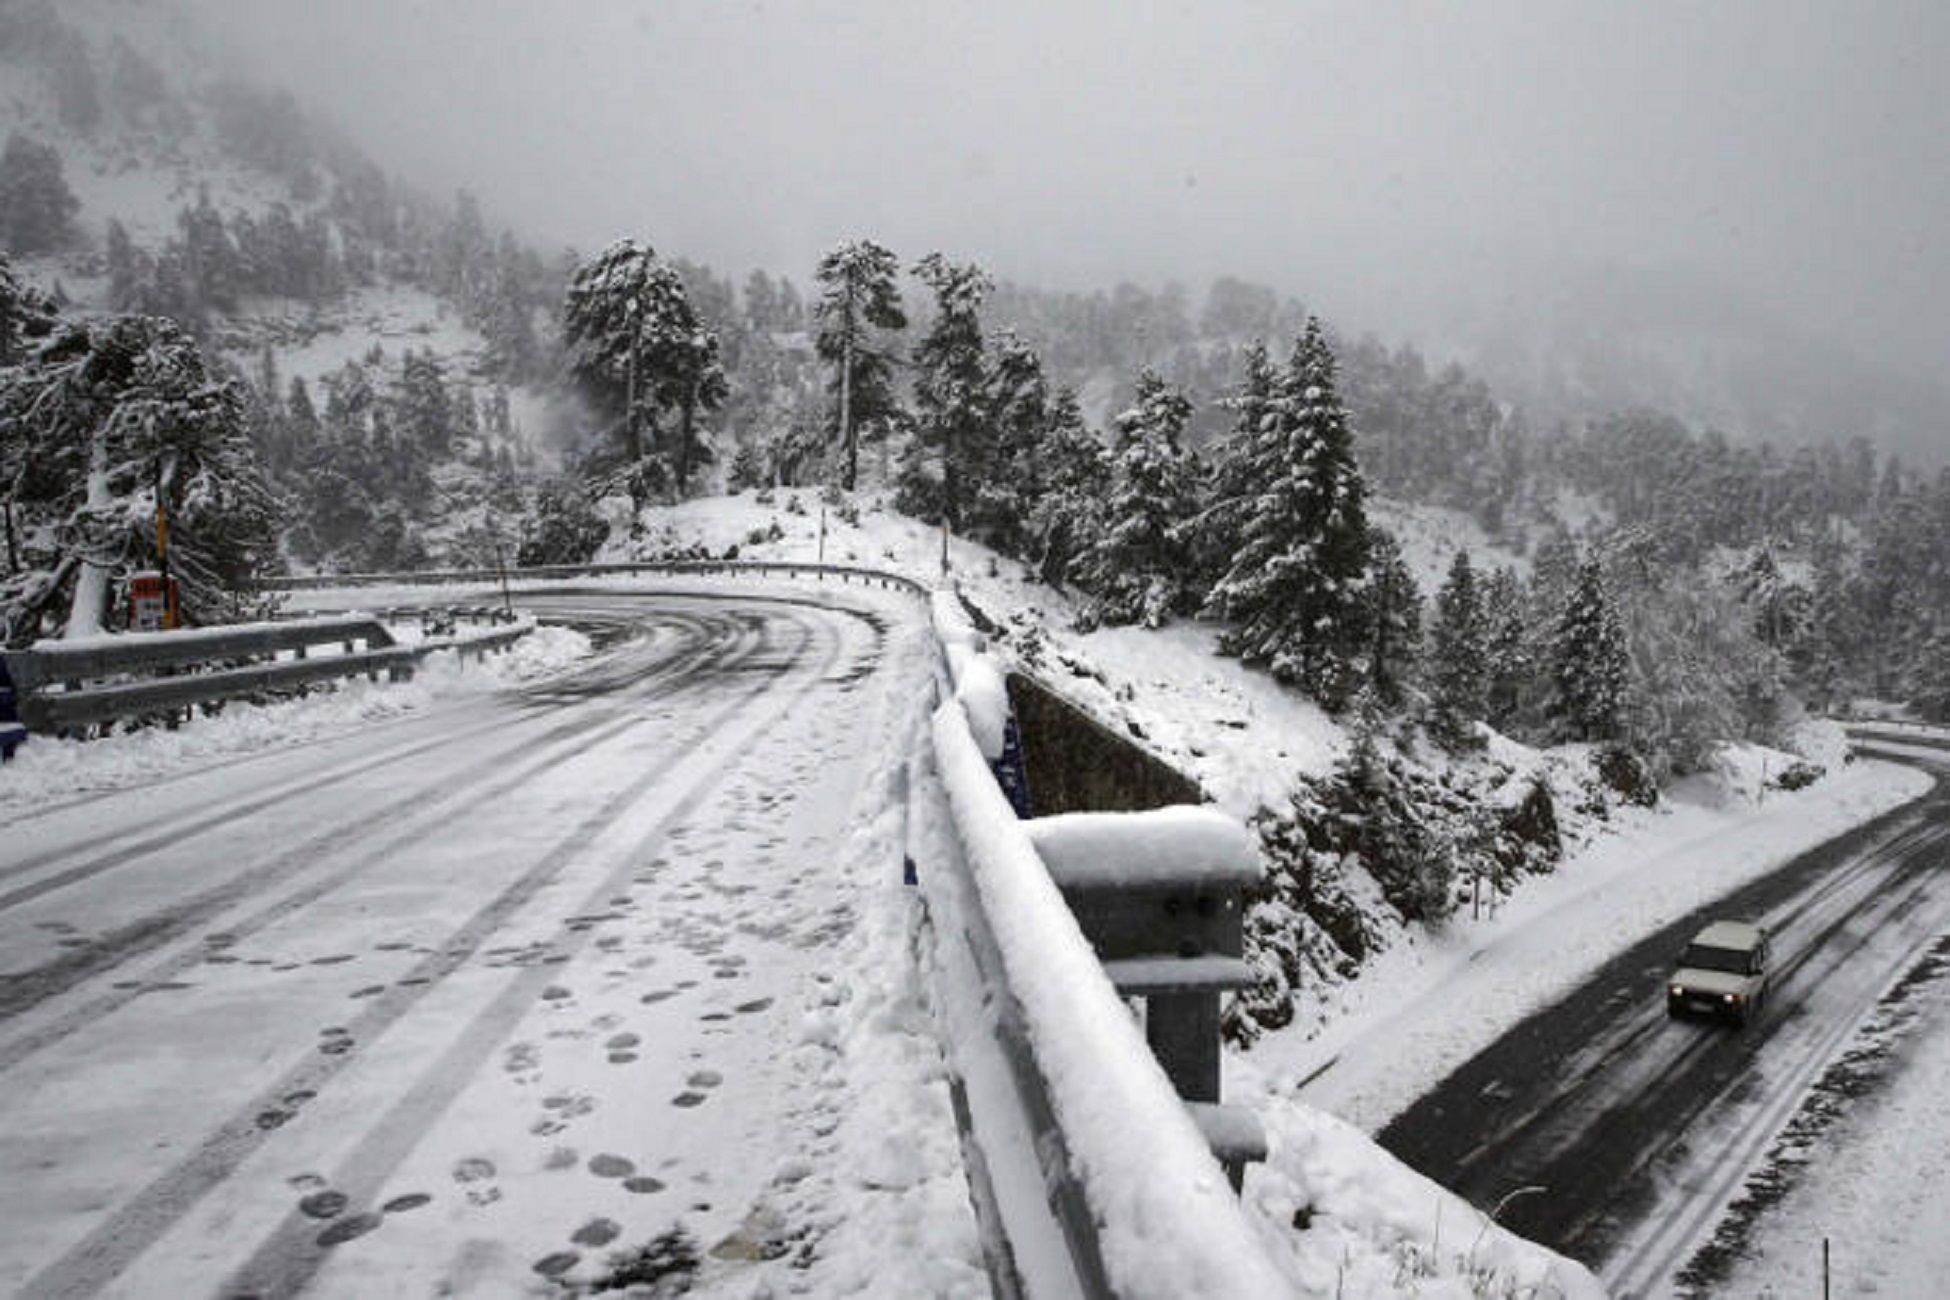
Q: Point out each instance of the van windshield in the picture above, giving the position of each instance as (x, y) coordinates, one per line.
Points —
(1734, 961)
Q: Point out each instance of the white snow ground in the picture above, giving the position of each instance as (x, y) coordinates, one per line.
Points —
(697, 1013)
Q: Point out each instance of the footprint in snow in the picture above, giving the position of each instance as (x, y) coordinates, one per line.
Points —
(557, 1263)
(323, 1205)
(643, 1185)
(686, 1100)
(597, 1232)
(410, 1201)
(658, 996)
(473, 1169)
(705, 1079)
(356, 1225)
(611, 1166)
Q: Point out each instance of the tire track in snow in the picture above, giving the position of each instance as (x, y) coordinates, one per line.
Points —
(428, 816)
(112, 1245)
(287, 1260)
(22, 991)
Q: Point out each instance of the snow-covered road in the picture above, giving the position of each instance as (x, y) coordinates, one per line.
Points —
(481, 998)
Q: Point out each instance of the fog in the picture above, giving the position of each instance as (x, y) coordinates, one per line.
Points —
(1411, 168)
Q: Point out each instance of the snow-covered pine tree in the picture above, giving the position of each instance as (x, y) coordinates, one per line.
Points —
(1457, 655)
(950, 423)
(1067, 510)
(1394, 620)
(1138, 568)
(638, 347)
(1235, 488)
(1006, 474)
(37, 208)
(118, 416)
(859, 306)
(423, 410)
(1294, 589)
(1588, 662)
(1509, 671)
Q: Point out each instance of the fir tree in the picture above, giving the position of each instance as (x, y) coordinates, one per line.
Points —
(859, 304)
(1508, 669)
(1235, 492)
(1588, 661)
(1137, 570)
(1007, 475)
(37, 208)
(1394, 620)
(949, 381)
(1457, 655)
(1067, 509)
(1294, 589)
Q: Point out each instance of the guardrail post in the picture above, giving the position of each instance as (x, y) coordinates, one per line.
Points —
(1172, 935)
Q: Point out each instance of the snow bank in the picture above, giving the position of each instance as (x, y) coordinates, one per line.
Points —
(1168, 1222)
(1164, 845)
(1374, 1227)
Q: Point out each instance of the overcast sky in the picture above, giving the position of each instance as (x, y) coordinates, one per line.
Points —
(1387, 162)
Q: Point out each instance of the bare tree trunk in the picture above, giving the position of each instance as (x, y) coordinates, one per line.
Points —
(847, 439)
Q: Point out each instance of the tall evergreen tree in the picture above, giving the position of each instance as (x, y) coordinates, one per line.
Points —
(1394, 620)
(1138, 569)
(859, 304)
(1457, 656)
(1508, 669)
(1067, 509)
(949, 387)
(37, 208)
(1589, 665)
(1294, 589)
(1235, 490)
(1007, 475)
(640, 350)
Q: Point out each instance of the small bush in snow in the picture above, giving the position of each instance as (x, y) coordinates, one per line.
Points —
(1798, 776)
(1627, 773)
(794, 506)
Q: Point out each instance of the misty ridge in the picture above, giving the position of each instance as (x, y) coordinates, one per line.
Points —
(412, 383)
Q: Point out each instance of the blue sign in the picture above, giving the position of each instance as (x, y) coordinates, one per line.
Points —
(1010, 773)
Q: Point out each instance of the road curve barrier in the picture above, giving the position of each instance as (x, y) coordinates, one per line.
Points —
(1063, 918)
(68, 685)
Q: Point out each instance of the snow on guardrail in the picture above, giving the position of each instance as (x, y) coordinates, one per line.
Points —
(1167, 1223)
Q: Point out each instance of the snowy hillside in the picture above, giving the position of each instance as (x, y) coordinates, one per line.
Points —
(203, 197)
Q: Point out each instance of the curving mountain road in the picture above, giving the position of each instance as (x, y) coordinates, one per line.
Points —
(1622, 1138)
(465, 1002)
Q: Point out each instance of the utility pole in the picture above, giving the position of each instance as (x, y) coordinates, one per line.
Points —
(162, 552)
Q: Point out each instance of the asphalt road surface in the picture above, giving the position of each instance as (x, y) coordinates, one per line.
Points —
(1611, 1133)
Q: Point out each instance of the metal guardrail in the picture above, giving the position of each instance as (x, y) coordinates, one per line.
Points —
(699, 568)
(34, 671)
(60, 686)
(58, 661)
(1169, 933)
